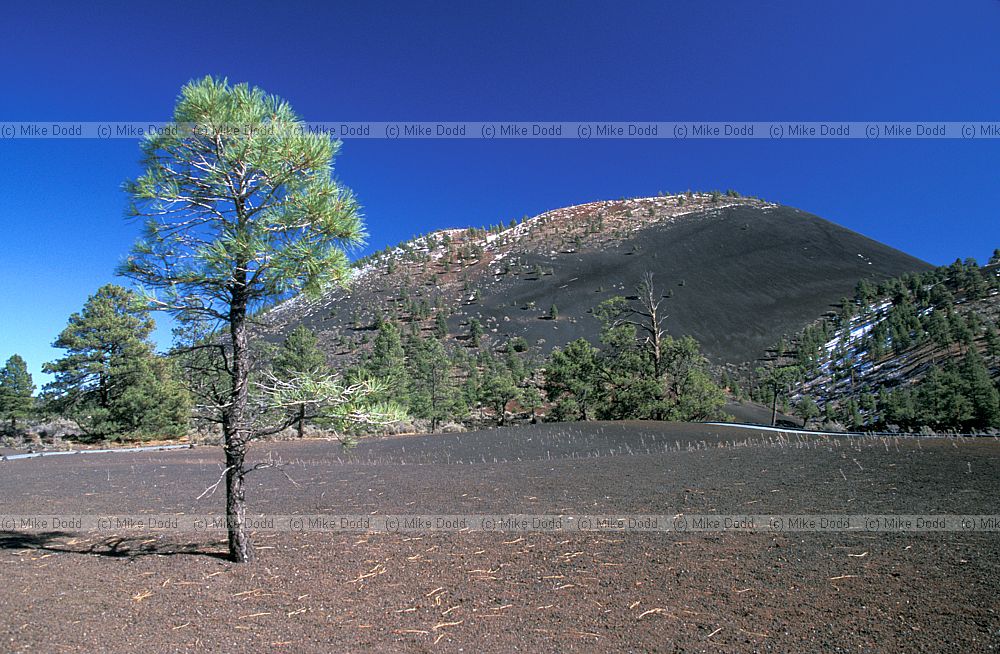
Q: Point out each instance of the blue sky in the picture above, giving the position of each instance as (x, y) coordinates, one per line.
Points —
(61, 202)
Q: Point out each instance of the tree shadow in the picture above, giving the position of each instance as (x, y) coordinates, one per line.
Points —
(113, 547)
(22, 540)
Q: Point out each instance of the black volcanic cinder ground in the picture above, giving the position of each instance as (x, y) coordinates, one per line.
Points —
(493, 592)
(739, 274)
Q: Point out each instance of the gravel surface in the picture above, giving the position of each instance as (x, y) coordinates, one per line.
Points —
(69, 591)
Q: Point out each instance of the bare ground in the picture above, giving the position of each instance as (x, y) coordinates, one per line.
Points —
(323, 592)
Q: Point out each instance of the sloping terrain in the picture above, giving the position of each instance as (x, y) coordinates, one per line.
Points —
(738, 274)
(893, 369)
(896, 338)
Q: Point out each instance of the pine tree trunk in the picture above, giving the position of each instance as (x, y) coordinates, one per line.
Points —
(302, 420)
(236, 432)
(774, 408)
(240, 548)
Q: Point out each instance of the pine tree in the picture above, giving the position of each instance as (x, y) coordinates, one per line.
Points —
(387, 361)
(864, 292)
(475, 332)
(440, 325)
(16, 391)
(433, 393)
(980, 390)
(806, 409)
(640, 372)
(777, 382)
(939, 329)
(876, 346)
(697, 396)
(234, 221)
(155, 404)
(299, 355)
(572, 380)
(472, 386)
(531, 399)
(518, 344)
(976, 286)
(110, 381)
(992, 341)
(499, 387)
(939, 401)
(516, 364)
(868, 405)
(829, 412)
(849, 413)
(960, 330)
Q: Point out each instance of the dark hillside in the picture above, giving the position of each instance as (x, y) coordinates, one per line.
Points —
(739, 274)
(736, 278)
(867, 366)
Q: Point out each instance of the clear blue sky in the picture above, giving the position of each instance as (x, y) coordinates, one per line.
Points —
(61, 202)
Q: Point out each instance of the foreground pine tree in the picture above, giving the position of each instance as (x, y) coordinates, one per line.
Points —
(240, 209)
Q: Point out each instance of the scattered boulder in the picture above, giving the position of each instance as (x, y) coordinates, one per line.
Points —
(55, 430)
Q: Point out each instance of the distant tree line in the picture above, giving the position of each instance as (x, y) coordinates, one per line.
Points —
(113, 384)
(440, 382)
